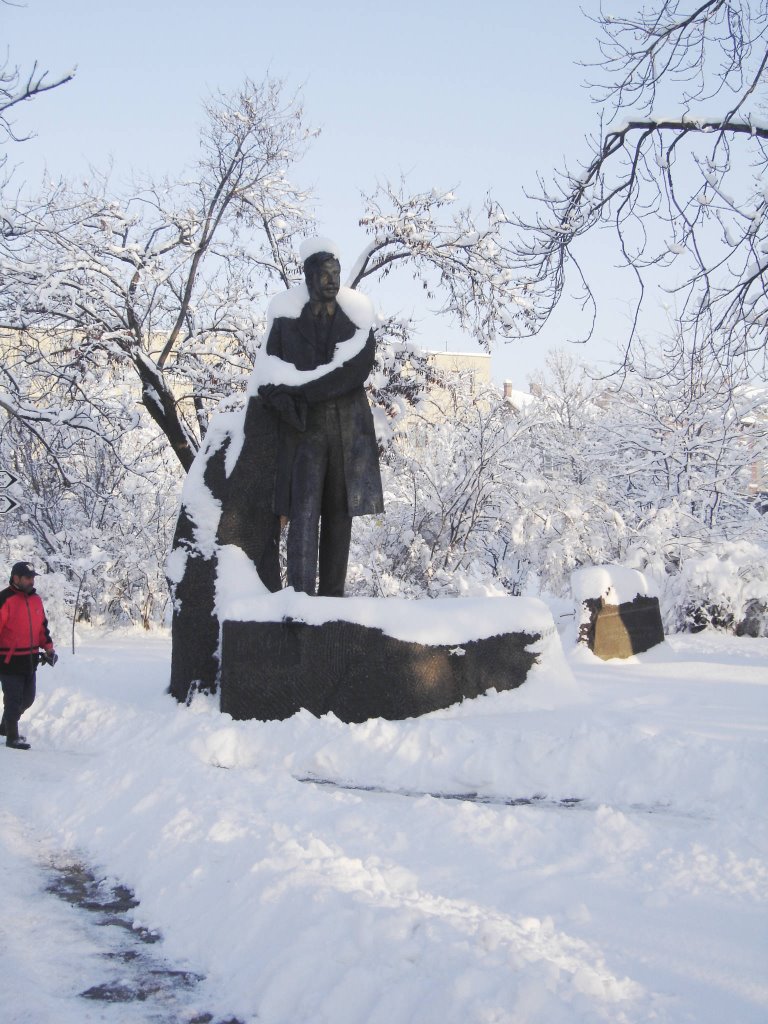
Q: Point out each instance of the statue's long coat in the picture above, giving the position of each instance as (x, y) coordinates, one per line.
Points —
(292, 339)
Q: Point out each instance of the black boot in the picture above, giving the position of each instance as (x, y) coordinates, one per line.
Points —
(13, 739)
(4, 731)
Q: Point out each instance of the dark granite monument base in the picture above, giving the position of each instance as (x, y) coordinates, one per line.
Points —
(247, 520)
(619, 631)
(270, 670)
(194, 665)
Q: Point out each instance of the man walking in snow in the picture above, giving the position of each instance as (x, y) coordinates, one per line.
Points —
(23, 632)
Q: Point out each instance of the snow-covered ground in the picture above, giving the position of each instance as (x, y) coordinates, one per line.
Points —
(301, 902)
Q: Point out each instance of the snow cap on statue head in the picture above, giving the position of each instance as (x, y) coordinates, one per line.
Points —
(317, 247)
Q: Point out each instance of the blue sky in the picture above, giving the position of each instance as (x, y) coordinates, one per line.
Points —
(471, 96)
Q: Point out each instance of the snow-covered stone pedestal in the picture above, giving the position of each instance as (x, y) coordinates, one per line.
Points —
(270, 652)
(619, 616)
(362, 658)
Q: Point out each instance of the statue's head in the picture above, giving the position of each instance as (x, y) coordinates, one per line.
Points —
(322, 272)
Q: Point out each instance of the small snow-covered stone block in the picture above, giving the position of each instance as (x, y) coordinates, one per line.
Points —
(362, 658)
(619, 616)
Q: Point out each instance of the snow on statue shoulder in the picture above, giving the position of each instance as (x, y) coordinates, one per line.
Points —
(288, 305)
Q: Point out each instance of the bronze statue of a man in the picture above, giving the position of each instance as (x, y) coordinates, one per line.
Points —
(328, 464)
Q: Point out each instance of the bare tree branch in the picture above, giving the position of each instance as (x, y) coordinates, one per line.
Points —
(684, 193)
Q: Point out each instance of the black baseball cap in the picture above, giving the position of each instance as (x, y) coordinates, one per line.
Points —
(23, 569)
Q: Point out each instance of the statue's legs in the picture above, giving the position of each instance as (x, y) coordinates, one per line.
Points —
(335, 535)
(319, 517)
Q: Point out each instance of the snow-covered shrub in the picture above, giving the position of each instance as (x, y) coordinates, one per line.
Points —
(446, 528)
(717, 588)
(654, 475)
(690, 435)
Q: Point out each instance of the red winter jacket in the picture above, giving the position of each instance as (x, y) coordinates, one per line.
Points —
(23, 630)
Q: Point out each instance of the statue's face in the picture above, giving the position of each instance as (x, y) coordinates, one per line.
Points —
(324, 280)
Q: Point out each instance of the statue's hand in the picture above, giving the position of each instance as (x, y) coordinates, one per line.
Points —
(289, 406)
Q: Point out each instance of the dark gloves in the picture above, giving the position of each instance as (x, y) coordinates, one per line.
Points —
(48, 658)
(288, 403)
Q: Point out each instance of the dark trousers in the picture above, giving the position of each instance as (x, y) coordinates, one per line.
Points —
(321, 527)
(18, 695)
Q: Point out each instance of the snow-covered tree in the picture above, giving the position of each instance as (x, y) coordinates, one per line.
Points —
(171, 279)
(167, 281)
(688, 433)
(678, 170)
(569, 508)
(655, 470)
(447, 527)
(485, 496)
(460, 258)
(95, 514)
